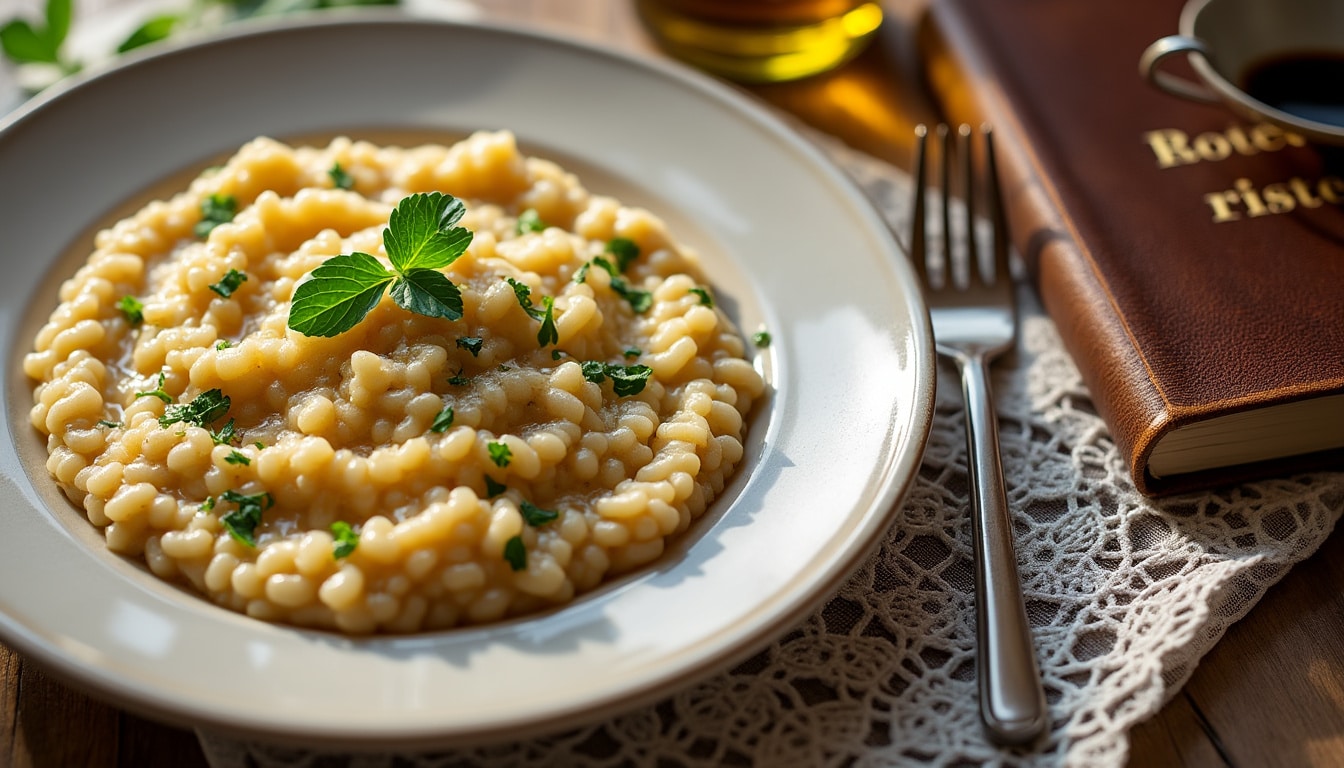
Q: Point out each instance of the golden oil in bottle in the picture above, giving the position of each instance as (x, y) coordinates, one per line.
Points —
(760, 41)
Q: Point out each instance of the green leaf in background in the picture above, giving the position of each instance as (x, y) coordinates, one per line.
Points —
(152, 31)
(341, 292)
(25, 43)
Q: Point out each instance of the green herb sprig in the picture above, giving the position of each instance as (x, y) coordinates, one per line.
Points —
(421, 238)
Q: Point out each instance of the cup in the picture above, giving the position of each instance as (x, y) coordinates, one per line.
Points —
(1275, 60)
(761, 41)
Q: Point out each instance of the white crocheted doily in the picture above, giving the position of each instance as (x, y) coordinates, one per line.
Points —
(1125, 595)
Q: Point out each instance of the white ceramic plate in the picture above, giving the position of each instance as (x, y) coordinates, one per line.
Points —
(789, 243)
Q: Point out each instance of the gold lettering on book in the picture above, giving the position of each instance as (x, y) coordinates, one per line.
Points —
(1244, 199)
(1173, 147)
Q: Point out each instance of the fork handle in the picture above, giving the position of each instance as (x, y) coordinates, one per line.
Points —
(1012, 701)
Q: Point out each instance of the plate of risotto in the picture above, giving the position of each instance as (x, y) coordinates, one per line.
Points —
(479, 381)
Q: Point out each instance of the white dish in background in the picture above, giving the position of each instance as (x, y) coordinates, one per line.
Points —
(789, 243)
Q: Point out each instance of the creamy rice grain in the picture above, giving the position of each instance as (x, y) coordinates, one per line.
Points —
(412, 472)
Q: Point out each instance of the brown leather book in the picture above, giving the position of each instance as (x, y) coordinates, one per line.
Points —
(1192, 261)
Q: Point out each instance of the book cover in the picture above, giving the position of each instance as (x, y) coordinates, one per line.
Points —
(1192, 261)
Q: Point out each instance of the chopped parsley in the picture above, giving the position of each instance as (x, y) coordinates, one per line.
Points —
(639, 300)
(515, 552)
(761, 339)
(632, 352)
(132, 308)
(547, 334)
(529, 221)
(705, 298)
(499, 453)
(535, 516)
(346, 539)
(556, 354)
(625, 251)
(457, 379)
(421, 238)
(203, 410)
(225, 435)
(157, 392)
(229, 283)
(215, 210)
(223, 344)
(340, 178)
(256, 443)
(626, 380)
(242, 522)
(472, 344)
(208, 504)
(237, 457)
(109, 424)
(493, 488)
(443, 421)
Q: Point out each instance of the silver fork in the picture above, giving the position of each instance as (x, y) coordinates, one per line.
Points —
(974, 320)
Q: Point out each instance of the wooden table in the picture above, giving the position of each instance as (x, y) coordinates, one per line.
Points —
(1271, 693)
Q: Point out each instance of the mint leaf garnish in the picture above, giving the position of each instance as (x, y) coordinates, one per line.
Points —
(428, 292)
(341, 292)
(420, 239)
(421, 232)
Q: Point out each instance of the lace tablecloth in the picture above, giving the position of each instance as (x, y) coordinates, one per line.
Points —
(1125, 595)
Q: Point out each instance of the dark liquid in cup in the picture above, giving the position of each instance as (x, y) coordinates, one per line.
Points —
(1307, 85)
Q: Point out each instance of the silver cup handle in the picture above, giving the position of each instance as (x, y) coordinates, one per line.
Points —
(1150, 68)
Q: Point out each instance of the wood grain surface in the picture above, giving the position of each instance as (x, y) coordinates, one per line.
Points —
(1271, 693)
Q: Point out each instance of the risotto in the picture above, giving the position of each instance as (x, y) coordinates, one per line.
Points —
(467, 449)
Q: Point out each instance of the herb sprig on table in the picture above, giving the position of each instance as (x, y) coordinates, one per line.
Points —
(27, 41)
(421, 238)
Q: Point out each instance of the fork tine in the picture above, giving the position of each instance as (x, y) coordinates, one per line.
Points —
(919, 252)
(966, 159)
(945, 209)
(994, 198)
